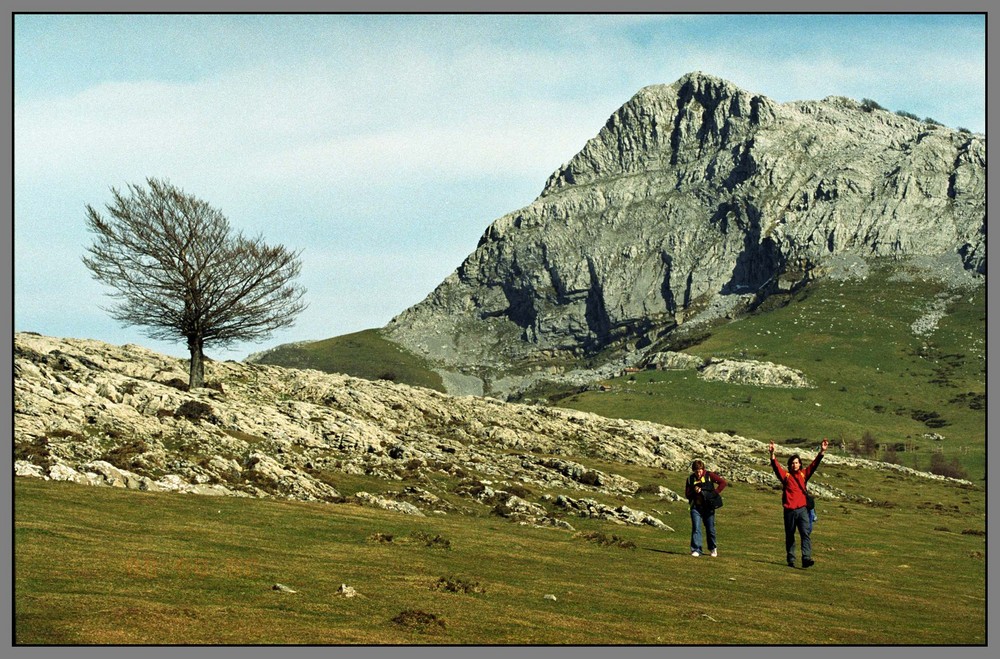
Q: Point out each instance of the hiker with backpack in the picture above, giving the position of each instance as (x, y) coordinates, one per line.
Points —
(702, 491)
(794, 501)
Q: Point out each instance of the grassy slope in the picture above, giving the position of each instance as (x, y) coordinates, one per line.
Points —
(105, 566)
(102, 566)
(872, 375)
(851, 339)
(362, 354)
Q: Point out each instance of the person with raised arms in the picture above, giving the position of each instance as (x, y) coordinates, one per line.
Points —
(794, 502)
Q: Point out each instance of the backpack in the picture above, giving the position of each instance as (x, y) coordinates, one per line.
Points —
(712, 499)
(709, 496)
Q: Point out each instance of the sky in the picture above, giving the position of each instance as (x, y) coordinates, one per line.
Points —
(382, 146)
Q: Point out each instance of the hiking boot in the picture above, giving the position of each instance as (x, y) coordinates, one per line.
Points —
(714, 553)
(808, 562)
(695, 553)
(791, 563)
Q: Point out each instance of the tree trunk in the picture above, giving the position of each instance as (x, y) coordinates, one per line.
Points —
(197, 376)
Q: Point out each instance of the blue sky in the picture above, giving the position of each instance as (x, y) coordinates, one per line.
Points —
(383, 146)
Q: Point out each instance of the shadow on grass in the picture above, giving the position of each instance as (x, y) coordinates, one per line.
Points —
(752, 560)
(686, 552)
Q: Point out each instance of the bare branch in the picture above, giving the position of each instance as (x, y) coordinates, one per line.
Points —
(179, 272)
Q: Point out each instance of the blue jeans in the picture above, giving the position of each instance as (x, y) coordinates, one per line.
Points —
(797, 519)
(697, 519)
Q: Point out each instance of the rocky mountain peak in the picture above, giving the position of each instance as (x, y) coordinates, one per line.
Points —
(697, 197)
(664, 126)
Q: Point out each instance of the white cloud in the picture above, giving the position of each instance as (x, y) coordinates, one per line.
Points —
(298, 130)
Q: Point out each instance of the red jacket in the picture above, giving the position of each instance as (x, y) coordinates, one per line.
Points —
(793, 486)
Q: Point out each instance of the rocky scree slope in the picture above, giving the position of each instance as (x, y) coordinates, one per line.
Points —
(697, 198)
(97, 414)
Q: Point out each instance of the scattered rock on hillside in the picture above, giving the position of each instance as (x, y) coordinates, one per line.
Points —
(619, 515)
(103, 415)
(388, 504)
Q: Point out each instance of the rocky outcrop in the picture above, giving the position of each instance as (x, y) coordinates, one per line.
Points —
(669, 360)
(697, 198)
(760, 374)
(617, 515)
(96, 414)
(735, 371)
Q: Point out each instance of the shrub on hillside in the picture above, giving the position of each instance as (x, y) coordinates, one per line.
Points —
(890, 455)
(177, 383)
(457, 585)
(689, 341)
(195, 410)
(433, 541)
(518, 490)
(63, 433)
(943, 467)
(36, 452)
(868, 105)
(973, 400)
(868, 444)
(929, 419)
(216, 385)
(127, 455)
(605, 540)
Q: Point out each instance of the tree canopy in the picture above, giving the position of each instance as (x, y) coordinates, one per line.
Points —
(180, 272)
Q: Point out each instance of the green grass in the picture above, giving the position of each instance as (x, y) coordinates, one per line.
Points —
(872, 375)
(851, 339)
(362, 354)
(901, 561)
(107, 566)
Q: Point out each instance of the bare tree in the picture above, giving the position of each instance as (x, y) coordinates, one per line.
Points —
(180, 272)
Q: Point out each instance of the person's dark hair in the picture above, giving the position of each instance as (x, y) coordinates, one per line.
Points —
(793, 457)
(696, 465)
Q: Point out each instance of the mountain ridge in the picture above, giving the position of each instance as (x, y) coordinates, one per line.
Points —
(696, 195)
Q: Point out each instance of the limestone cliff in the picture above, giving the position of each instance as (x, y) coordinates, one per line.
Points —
(695, 195)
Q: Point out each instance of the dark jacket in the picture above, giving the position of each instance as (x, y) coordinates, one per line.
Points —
(715, 482)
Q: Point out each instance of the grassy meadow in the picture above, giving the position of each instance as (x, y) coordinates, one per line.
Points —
(873, 377)
(900, 561)
(107, 566)
(363, 354)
